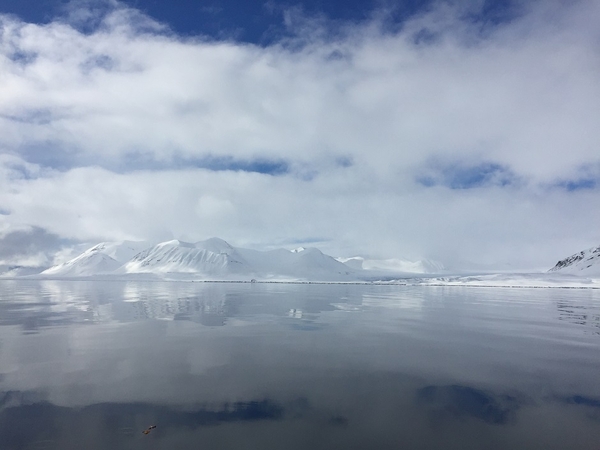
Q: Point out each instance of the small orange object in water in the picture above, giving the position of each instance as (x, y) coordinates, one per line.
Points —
(147, 431)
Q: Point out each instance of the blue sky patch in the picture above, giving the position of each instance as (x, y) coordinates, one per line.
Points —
(580, 184)
(91, 20)
(587, 178)
(425, 37)
(245, 21)
(462, 176)
(495, 12)
(51, 155)
(57, 157)
(22, 57)
(344, 161)
(41, 116)
(103, 62)
(265, 166)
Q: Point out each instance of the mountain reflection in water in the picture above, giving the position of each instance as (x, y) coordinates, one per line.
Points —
(93, 365)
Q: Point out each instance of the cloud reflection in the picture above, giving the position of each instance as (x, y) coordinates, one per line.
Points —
(103, 424)
(466, 401)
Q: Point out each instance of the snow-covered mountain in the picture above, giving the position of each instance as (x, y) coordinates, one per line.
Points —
(210, 259)
(213, 257)
(586, 262)
(102, 258)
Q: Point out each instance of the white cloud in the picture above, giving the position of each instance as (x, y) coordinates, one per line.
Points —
(355, 122)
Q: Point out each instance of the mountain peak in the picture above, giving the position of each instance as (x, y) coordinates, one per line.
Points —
(89, 262)
(215, 245)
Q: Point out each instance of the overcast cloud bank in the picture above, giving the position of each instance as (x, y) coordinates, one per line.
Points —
(469, 143)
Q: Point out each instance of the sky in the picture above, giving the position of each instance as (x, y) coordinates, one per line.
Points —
(460, 131)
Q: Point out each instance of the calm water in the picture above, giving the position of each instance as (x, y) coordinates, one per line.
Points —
(91, 365)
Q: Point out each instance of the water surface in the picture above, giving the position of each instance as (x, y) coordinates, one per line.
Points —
(280, 366)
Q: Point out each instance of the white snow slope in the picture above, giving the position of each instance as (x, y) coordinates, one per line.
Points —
(102, 258)
(210, 259)
(215, 258)
(90, 262)
(586, 263)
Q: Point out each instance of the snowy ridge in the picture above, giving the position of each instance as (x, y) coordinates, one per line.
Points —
(586, 262)
(211, 257)
(91, 262)
(102, 258)
(307, 263)
(121, 251)
(215, 258)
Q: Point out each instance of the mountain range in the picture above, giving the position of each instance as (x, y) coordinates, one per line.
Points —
(210, 259)
(215, 259)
